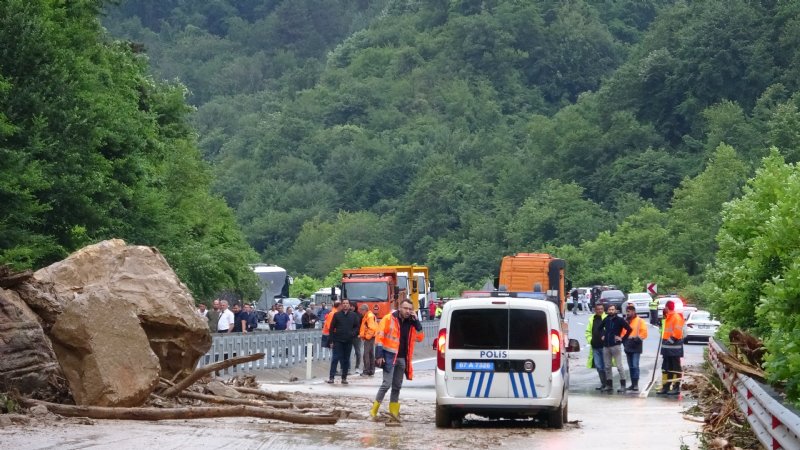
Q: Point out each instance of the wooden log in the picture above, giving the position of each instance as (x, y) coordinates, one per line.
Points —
(203, 371)
(104, 412)
(235, 401)
(741, 367)
(262, 393)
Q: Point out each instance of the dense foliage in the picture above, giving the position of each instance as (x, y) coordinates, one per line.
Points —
(92, 148)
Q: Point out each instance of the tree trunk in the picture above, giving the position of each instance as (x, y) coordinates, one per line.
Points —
(103, 412)
(267, 394)
(243, 401)
(203, 371)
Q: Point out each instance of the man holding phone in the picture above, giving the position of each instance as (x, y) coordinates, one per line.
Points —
(397, 333)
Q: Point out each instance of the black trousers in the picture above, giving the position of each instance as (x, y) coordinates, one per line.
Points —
(341, 354)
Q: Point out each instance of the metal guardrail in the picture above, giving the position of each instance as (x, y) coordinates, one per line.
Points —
(775, 426)
(281, 348)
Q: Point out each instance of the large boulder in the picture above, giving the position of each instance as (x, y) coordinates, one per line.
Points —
(110, 277)
(27, 362)
(104, 352)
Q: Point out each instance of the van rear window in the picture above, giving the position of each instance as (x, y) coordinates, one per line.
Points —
(491, 329)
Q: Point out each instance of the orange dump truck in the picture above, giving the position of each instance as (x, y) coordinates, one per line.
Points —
(373, 286)
(537, 273)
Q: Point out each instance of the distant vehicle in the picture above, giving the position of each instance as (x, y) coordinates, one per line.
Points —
(700, 326)
(641, 300)
(502, 357)
(535, 272)
(273, 281)
(663, 300)
(374, 286)
(324, 296)
(292, 302)
(612, 297)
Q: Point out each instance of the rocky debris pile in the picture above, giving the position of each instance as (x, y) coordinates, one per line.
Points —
(113, 330)
(107, 322)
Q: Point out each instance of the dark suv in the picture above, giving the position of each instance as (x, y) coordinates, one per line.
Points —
(612, 297)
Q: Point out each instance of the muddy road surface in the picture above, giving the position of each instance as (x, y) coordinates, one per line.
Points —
(597, 421)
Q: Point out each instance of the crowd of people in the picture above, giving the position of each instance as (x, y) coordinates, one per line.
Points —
(610, 335)
(224, 318)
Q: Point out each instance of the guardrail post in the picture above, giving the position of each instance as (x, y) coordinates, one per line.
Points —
(309, 359)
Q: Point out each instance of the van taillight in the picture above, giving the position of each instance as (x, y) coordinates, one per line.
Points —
(555, 347)
(441, 342)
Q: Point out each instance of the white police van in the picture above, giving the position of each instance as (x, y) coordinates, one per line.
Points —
(501, 357)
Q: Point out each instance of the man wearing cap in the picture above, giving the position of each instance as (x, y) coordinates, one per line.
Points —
(671, 350)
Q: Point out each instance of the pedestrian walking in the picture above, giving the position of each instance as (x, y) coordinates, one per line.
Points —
(343, 327)
(367, 334)
(574, 294)
(611, 330)
(594, 338)
(634, 344)
(671, 350)
(397, 333)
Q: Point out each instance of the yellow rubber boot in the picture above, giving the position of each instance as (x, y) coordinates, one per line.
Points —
(663, 378)
(373, 412)
(394, 410)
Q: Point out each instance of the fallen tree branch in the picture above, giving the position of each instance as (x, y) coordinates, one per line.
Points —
(741, 367)
(203, 371)
(104, 412)
(242, 401)
(269, 395)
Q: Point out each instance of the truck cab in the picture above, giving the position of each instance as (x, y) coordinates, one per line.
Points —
(373, 286)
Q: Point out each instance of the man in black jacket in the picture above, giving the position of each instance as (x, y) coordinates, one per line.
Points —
(344, 327)
(611, 331)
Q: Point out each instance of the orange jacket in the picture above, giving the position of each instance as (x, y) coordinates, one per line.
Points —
(673, 327)
(326, 327)
(368, 326)
(639, 328)
(388, 337)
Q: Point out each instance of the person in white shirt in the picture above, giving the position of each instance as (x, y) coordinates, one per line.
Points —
(202, 311)
(298, 317)
(225, 324)
(271, 316)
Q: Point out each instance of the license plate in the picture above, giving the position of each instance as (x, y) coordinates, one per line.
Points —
(704, 327)
(474, 366)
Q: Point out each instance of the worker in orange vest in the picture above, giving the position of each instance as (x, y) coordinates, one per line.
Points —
(397, 333)
(633, 345)
(369, 327)
(671, 350)
(326, 327)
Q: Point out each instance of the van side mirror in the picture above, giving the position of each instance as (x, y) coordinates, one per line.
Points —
(432, 286)
(573, 346)
(496, 283)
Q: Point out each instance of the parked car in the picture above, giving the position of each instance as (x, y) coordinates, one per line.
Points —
(612, 297)
(663, 301)
(700, 326)
(261, 315)
(641, 300)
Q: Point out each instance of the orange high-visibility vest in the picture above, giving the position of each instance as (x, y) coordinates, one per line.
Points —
(639, 328)
(388, 337)
(368, 326)
(673, 327)
(326, 327)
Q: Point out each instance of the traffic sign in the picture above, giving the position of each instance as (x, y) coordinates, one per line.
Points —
(652, 288)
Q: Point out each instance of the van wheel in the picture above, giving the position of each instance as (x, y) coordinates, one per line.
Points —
(444, 419)
(558, 417)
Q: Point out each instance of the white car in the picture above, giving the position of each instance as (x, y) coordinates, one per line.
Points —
(700, 326)
(641, 300)
(663, 301)
(501, 357)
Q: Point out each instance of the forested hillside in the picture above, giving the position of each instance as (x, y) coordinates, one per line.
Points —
(92, 148)
(454, 132)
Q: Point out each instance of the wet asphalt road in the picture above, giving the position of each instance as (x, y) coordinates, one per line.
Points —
(598, 421)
